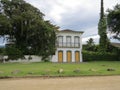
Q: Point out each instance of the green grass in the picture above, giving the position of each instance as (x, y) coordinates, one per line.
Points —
(51, 69)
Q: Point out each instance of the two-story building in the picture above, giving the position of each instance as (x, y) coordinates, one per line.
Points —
(68, 47)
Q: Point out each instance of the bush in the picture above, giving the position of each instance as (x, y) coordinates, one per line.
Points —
(118, 53)
(13, 53)
(93, 48)
(97, 56)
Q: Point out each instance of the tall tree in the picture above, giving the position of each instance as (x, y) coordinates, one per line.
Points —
(26, 25)
(102, 27)
(90, 42)
(90, 46)
(113, 19)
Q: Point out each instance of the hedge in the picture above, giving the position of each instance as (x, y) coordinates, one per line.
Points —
(97, 56)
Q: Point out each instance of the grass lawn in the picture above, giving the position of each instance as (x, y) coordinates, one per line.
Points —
(51, 69)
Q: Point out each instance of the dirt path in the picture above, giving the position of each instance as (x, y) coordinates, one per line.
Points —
(76, 83)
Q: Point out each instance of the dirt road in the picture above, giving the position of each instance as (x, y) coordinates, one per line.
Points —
(73, 83)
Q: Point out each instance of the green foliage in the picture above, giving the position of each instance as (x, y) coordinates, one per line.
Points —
(90, 42)
(112, 49)
(117, 51)
(103, 42)
(94, 54)
(2, 50)
(99, 56)
(113, 19)
(102, 27)
(13, 53)
(90, 46)
(4, 24)
(26, 24)
(2, 53)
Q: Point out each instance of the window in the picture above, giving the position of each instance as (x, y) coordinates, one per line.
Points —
(68, 41)
(60, 41)
(77, 41)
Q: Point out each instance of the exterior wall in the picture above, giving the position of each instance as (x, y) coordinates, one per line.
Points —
(55, 57)
(65, 49)
(34, 59)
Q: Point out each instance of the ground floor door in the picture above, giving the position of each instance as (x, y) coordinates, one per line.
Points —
(60, 56)
(69, 56)
(77, 56)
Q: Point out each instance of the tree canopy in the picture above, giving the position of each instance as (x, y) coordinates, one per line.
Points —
(90, 46)
(113, 19)
(26, 25)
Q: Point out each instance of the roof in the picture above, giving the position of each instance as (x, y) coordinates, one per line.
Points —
(68, 30)
(116, 44)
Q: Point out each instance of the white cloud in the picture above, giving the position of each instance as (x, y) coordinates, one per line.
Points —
(55, 9)
(73, 14)
(92, 31)
(94, 37)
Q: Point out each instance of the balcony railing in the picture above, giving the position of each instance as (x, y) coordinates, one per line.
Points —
(68, 45)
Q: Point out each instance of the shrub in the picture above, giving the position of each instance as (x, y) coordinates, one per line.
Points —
(13, 53)
(98, 56)
(117, 51)
(93, 48)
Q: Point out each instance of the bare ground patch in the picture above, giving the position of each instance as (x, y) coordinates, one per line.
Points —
(69, 83)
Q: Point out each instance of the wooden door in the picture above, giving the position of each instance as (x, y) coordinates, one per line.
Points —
(77, 56)
(60, 56)
(69, 56)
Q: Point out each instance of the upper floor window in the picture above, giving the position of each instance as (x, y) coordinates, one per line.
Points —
(77, 41)
(68, 41)
(60, 40)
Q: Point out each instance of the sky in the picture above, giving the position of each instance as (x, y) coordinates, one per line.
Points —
(78, 15)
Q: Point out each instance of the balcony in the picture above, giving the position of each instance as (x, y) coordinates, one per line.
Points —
(68, 45)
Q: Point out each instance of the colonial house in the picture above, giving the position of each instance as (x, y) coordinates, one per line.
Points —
(68, 47)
